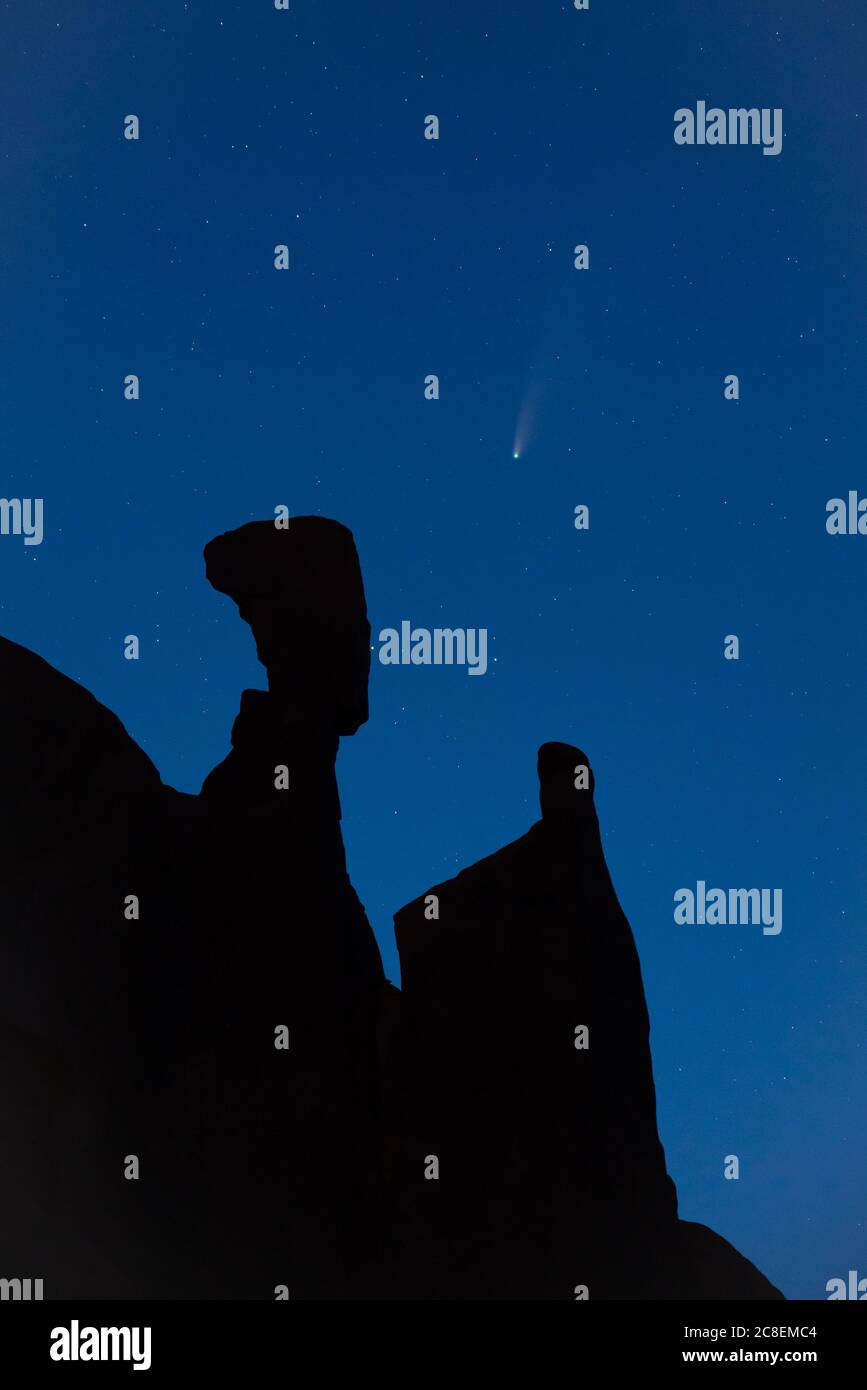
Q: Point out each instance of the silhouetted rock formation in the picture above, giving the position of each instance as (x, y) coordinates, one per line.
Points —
(152, 1031)
(300, 589)
(524, 1069)
(86, 822)
(302, 1126)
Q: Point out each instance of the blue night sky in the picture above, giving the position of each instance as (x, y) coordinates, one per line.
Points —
(305, 388)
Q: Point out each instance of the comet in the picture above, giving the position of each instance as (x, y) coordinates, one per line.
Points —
(526, 419)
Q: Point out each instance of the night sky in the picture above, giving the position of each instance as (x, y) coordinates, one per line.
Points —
(306, 388)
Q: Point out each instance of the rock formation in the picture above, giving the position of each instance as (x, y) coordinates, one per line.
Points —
(524, 1068)
(192, 982)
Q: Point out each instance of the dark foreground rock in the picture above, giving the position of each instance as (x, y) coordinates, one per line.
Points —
(190, 991)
